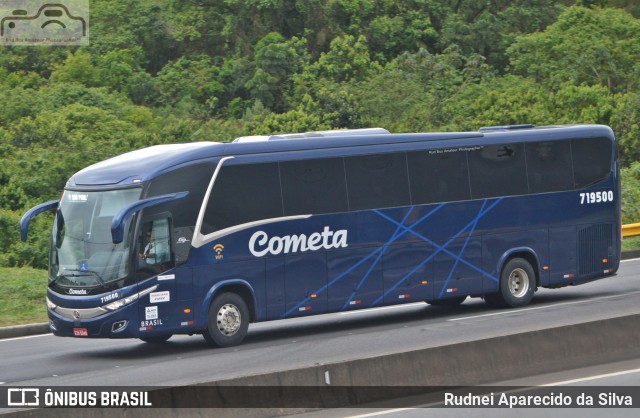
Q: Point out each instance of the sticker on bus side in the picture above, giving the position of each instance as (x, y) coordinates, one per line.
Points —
(158, 297)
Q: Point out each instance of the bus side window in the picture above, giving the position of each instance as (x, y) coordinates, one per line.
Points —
(591, 160)
(377, 181)
(498, 170)
(314, 186)
(241, 194)
(438, 176)
(549, 166)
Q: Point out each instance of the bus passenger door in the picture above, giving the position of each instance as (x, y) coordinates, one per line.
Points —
(155, 258)
(306, 284)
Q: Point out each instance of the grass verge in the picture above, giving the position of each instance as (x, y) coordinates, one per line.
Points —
(22, 296)
(631, 243)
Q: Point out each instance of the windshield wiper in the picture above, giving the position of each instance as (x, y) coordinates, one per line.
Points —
(91, 272)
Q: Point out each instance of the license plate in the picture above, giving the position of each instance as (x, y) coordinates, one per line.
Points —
(80, 332)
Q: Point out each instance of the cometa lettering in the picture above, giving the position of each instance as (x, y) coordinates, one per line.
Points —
(260, 244)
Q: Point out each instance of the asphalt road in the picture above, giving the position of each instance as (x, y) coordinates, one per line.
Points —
(280, 345)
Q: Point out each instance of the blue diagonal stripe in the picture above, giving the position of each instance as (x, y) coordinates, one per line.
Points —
(359, 263)
(377, 260)
(443, 247)
(464, 246)
(439, 249)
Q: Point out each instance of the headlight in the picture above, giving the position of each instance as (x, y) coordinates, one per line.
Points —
(129, 299)
(121, 302)
(51, 305)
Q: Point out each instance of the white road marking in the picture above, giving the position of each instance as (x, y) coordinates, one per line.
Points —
(24, 338)
(543, 307)
(599, 376)
(374, 414)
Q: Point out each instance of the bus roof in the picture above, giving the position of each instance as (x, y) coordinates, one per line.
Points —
(145, 164)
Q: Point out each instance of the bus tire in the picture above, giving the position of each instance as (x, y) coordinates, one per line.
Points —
(228, 321)
(517, 285)
(447, 302)
(156, 339)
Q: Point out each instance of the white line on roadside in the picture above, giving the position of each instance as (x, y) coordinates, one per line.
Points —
(374, 414)
(599, 376)
(543, 307)
(24, 338)
(630, 259)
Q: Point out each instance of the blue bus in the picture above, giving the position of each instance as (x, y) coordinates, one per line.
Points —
(206, 238)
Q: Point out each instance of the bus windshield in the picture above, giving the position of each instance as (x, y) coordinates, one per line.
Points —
(82, 251)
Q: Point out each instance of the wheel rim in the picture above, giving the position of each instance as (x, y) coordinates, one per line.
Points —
(518, 282)
(229, 319)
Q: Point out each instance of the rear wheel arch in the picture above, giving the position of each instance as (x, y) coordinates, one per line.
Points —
(526, 254)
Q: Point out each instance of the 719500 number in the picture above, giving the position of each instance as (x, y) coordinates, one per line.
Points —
(596, 197)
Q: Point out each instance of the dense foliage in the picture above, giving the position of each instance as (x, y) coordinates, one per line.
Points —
(163, 71)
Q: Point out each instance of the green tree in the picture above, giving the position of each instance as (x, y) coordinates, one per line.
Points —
(77, 68)
(590, 46)
(348, 59)
(276, 60)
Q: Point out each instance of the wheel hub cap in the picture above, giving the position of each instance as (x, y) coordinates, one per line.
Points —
(229, 319)
(518, 282)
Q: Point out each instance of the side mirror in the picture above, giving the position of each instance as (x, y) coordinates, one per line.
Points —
(34, 211)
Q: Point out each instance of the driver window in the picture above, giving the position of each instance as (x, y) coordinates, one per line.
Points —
(155, 251)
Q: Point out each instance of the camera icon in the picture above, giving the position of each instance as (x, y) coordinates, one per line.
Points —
(53, 23)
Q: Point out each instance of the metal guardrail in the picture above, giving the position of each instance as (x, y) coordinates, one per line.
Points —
(631, 230)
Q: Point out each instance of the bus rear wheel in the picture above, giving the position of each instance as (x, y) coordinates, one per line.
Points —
(517, 285)
(228, 321)
(447, 302)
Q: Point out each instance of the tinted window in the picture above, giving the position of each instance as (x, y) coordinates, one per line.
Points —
(241, 194)
(377, 181)
(193, 179)
(438, 176)
(313, 186)
(591, 160)
(549, 167)
(498, 170)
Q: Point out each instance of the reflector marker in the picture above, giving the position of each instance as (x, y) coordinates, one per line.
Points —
(355, 302)
(569, 276)
(452, 290)
(304, 308)
(405, 296)
(184, 324)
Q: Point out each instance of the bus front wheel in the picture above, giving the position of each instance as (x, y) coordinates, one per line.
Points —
(517, 285)
(228, 321)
